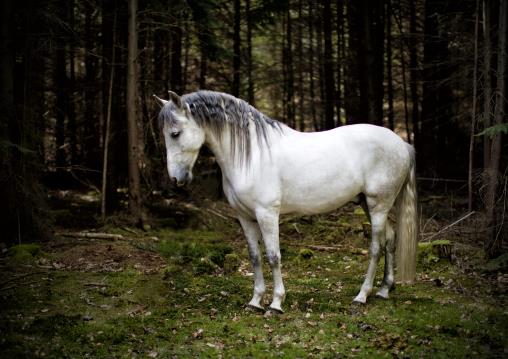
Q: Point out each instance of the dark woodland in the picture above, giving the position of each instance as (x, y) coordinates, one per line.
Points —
(81, 151)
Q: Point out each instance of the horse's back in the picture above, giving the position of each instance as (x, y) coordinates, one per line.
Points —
(324, 170)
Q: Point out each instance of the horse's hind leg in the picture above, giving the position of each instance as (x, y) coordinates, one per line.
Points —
(389, 248)
(378, 217)
(388, 278)
(253, 236)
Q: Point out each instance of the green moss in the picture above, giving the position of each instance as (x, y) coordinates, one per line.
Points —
(430, 253)
(24, 253)
(178, 313)
(231, 262)
(305, 254)
(205, 266)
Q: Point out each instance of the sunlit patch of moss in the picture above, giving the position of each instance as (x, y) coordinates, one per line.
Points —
(430, 253)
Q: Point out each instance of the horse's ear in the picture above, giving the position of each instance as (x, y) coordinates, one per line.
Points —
(177, 100)
(160, 101)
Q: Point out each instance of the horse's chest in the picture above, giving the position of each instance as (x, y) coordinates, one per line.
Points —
(241, 200)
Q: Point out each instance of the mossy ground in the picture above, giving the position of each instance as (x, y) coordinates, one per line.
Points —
(190, 308)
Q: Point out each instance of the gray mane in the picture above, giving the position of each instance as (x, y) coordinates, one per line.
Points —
(220, 112)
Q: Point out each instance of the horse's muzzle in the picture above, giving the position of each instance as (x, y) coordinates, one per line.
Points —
(182, 180)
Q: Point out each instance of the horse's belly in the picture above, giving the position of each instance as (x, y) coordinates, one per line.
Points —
(314, 202)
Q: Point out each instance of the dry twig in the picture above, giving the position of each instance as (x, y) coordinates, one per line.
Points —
(446, 228)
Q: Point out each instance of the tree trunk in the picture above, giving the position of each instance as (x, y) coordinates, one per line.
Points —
(312, 91)
(329, 121)
(373, 34)
(250, 80)
(175, 83)
(404, 90)
(235, 90)
(493, 242)
(299, 50)
(61, 104)
(320, 60)
(71, 105)
(355, 78)
(288, 62)
(107, 129)
(340, 48)
(203, 67)
(389, 74)
(473, 112)
(132, 126)
(487, 80)
(413, 74)
(187, 44)
(92, 129)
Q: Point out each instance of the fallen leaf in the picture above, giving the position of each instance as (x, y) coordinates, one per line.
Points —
(198, 334)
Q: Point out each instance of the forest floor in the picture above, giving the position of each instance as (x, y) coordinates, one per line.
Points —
(179, 289)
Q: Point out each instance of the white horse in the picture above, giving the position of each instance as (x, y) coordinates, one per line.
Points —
(270, 169)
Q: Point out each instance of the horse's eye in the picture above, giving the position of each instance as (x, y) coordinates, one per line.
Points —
(175, 134)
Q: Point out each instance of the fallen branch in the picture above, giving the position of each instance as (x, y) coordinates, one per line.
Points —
(324, 248)
(215, 212)
(224, 216)
(100, 235)
(94, 235)
(443, 230)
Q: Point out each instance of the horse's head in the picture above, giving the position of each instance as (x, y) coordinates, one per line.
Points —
(182, 136)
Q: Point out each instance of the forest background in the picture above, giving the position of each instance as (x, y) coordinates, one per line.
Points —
(77, 78)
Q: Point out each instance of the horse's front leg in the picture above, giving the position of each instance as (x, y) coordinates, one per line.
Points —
(268, 219)
(378, 221)
(253, 236)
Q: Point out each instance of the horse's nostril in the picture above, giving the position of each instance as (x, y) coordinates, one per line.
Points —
(174, 180)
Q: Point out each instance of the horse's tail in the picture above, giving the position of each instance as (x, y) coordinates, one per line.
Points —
(407, 225)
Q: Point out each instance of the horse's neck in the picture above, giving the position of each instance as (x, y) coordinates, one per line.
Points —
(221, 148)
(231, 160)
(223, 151)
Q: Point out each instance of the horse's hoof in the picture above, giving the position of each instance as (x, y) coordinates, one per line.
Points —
(253, 307)
(359, 300)
(275, 310)
(382, 294)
